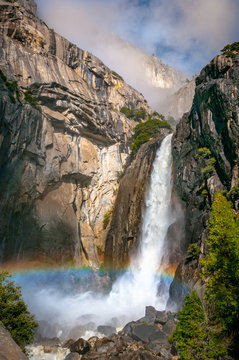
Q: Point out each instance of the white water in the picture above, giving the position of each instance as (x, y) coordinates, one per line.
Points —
(139, 286)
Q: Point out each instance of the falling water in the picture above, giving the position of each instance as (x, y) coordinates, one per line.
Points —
(139, 285)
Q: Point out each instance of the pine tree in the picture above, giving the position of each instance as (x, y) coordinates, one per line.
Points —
(221, 265)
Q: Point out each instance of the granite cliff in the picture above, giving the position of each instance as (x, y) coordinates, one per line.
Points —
(63, 142)
(206, 156)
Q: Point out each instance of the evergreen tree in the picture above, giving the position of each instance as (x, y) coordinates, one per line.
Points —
(193, 337)
(220, 266)
(14, 314)
(190, 333)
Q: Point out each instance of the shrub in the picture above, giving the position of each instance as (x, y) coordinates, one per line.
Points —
(231, 50)
(31, 100)
(208, 170)
(3, 76)
(106, 220)
(117, 75)
(134, 114)
(11, 85)
(144, 131)
(193, 252)
(204, 153)
(14, 314)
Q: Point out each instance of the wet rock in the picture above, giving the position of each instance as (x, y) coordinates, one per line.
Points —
(8, 348)
(106, 329)
(161, 317)
(80, 346)
(68, 343)
(73, 356)
(61, 151)
(137, 340)
(211, 123)
(127, 215)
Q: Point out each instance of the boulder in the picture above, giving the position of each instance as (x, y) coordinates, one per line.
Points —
(80, 346)
(73, 356)
(9, 350)
(106, 329)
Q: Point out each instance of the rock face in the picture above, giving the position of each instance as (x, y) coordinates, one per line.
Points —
(163, 76)
(126, 219)
(213, 123)
(8, 348)
(63, 141)
(144, 339)
(181, 101)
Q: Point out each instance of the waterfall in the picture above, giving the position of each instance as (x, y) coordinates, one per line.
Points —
(138, 286)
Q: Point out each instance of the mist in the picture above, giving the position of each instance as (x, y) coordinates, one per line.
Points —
(184, 34)
(65, 300)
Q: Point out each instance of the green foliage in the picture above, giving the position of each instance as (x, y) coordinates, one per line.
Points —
(192, 336)
(193, 252)
(134, 114)
(190, 333)
(204, 193)
(14, 314)
(3, 77)
(107, 218)
(231, 50)
(144, 131)
(31, 100)
(208, 170)
(117, 75)
(220, 266)
(204, 153)
(11, 85)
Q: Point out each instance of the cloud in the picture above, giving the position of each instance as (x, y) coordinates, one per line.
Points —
(185, 34)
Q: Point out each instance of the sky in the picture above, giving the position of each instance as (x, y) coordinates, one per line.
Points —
(185, 34)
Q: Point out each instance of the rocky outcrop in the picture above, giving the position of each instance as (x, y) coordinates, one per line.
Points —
(144, 339)
(127, 215)
(8, 348)
(206, 155)
(181, 101)
(63, 142)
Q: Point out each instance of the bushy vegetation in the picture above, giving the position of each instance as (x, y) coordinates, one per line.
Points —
(107, 218)
(193, 252)
(193, 337)
(144, 131)
(220, 267)
(134, 114)
(14, 313)
(31, 100)
(212, 331)
(231, 50)
(117, 75)
(208, 170)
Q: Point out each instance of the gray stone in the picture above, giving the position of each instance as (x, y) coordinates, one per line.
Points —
(80, 346)
(60, 165)
(73, 356)
(9, 350)
(212, 123)
(106, 329)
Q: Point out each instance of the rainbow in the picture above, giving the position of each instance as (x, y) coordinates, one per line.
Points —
(20, 269)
